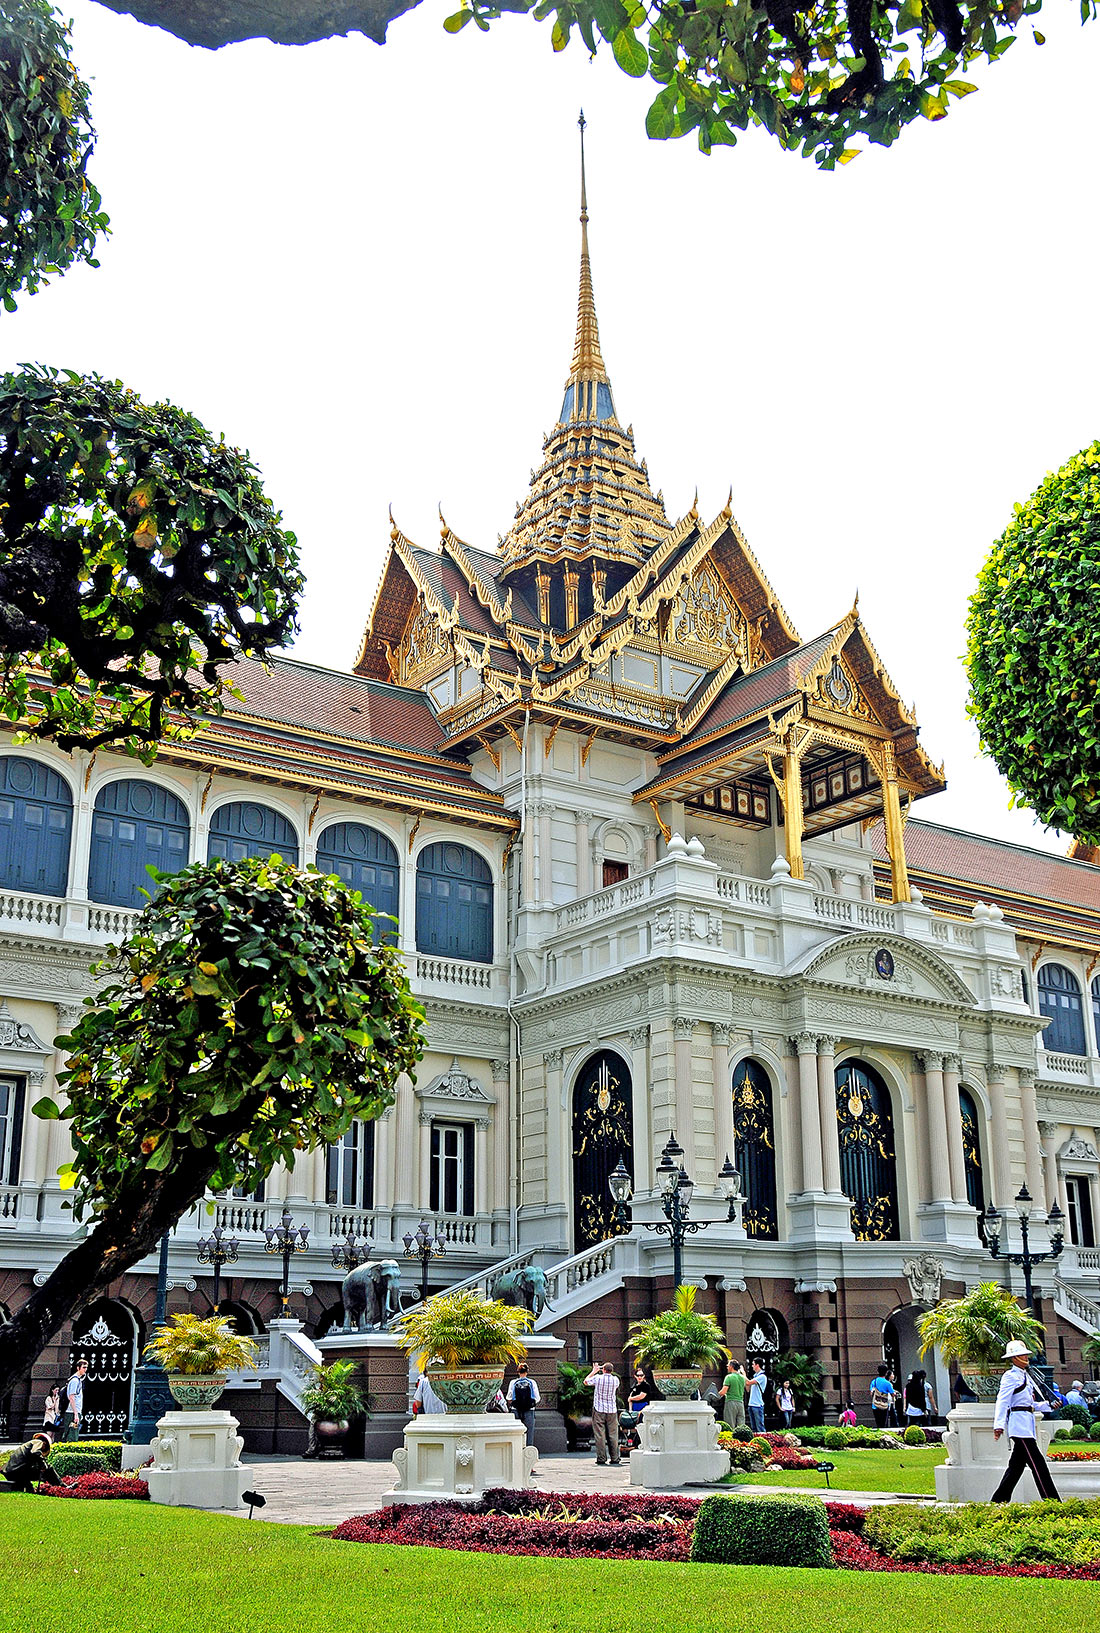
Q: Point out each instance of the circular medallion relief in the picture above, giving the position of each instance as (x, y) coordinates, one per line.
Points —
(884, 963)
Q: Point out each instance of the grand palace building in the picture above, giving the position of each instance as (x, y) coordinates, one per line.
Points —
(654, 870)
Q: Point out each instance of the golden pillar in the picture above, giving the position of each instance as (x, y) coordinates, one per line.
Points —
(792, 803)
(895, 837)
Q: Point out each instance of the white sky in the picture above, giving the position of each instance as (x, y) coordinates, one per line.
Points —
(361, 264)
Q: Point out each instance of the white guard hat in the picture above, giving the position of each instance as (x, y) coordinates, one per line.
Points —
(1014, 1350)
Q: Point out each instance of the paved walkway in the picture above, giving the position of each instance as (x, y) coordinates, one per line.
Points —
(323, 1494)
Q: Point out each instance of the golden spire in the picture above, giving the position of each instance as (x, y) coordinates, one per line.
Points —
(588, 364)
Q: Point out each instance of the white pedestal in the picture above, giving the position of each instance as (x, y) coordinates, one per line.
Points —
(456, 1455)
(976, 1462)
(197, 1461)
(679, 1446)
(819, 1216)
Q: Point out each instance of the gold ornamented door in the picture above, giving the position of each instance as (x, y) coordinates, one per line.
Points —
(603, 1132)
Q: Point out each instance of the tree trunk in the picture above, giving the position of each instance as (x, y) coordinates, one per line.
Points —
(129, 1229)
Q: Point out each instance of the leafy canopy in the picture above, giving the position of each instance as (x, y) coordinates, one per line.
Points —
(815, 75)
(50, 213)
(200, 1346)
(678, 1338)
(138, 556)
(463, 1329)
(1033, 653)
(250, 1017)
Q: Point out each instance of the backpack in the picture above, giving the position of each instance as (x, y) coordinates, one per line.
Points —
(880, 1401)
(523, 1397)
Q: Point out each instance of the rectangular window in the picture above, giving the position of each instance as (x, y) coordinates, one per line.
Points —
(350, 1169)
(12, 1099)
(1079, 1211)
(452, 1174)
(614, 873)
(584, 1347)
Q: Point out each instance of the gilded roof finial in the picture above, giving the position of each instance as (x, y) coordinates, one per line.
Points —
(588, 363)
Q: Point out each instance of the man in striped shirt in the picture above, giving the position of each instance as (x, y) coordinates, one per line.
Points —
(604, 1383)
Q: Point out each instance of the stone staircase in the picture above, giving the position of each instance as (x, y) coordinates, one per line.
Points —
(1074, 1307)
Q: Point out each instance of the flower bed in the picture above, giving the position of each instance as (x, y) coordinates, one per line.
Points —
(99, 1486)
(1076, 1455)
(1038, 1539)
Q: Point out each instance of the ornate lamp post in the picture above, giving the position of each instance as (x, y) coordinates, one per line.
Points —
(1025, 1258)
(286, 1239)
(421, 1244)
(217, 1249)
(151, 1394)
(675, 1186)
(350, 1253)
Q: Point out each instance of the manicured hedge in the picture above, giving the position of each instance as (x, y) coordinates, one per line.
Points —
(762, 1531)
(1065, 1534)
(87, 1457)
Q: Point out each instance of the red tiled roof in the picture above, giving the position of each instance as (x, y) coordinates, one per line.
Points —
(995, 866)
(308, 696)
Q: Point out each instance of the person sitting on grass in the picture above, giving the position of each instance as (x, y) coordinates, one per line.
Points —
(27, 1465)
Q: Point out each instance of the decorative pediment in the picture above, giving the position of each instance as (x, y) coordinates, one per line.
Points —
(17, 1038)
(1078, 1150)
(887, 965)
(459, 1093)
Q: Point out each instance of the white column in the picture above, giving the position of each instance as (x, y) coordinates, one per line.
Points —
(584, 852)
(1029, 1116)
(919, 1090)
(1001, 1178)
(383, 1158)
(481, 1165)
(559, 1143)
(501, 1135)
(724, 1138)
(424, 1177)
(826, 1102)
(406, 912)
(404, 1139)
(939, 1159)
(546, 853)
(952, 1070)
(683, 1028)
(640, 1107)
(809, 1112)
(1051, 1188)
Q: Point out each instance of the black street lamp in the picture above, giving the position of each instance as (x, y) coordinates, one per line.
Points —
(421, 1244)
(217, 1249)
(286, 1238)
(1025, 1258)
(152, 1397)
(675, 1186)
(350, 1253)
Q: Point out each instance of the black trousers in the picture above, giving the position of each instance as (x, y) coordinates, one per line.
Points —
(1025, 1455)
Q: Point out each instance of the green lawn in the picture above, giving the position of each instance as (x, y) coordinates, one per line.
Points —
(909, 1470)
(120, 1567)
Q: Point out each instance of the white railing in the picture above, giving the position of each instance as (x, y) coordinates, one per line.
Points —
(586, 909)
(9, 1206)
(1070, 1065)
(455, 972)
(33, 910)
(1088, 1258)
(838, 909)
(457, 1229)
(1086, 1310)
(582, 1268)
(753, 892)
(483, 1281)
(110, 921)
(341, 1223)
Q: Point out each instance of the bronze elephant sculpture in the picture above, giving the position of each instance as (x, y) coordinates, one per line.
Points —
(370, 1296)
(525, 1288)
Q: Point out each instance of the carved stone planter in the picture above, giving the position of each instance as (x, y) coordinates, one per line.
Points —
(467, 1389)
(197, 1460)
(680, 1385)
(679, 1446)
(195, 1394)
(458, 1455)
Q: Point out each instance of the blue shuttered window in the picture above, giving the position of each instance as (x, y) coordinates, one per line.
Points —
(135, 824)
(454, 903)
(245, 828)
(1060, 998)
(13, 1093)
(36, 823)
(366, 861)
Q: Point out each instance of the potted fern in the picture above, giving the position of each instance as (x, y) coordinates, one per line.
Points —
(973, 1331)
(463, 1342)
(678, 1344)
(330, 1400)
(198, 1353)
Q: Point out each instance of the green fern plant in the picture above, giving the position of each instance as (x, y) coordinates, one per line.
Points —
(679, 1339)
(975, 1329)
(464, 1329)
(200, 1346)
(333, 1393)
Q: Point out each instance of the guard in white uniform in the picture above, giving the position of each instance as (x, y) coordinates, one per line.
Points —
(1017, 1404)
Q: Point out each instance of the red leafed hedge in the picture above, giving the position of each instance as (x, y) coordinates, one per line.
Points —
(98, 1486)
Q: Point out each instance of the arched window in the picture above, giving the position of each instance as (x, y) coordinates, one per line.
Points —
(366, 861)
(868, 1169)
(454, 903)
(972, 1150)
(754, 1148)
(36, 820)
(603, 1133)
(135, 825)
(245, 828)
(1060, 998)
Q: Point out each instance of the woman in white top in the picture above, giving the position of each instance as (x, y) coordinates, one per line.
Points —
(51, 1411)
(920, 1403)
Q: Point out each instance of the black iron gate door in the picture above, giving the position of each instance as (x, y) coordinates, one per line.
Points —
(104, 1337)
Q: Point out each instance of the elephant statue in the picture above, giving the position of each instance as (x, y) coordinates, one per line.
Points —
(370, 1296)
(525, 1287)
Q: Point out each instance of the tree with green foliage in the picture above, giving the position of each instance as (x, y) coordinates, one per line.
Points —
(50, 215)
(248, 1017)
(138, 557)
(1033, 652)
